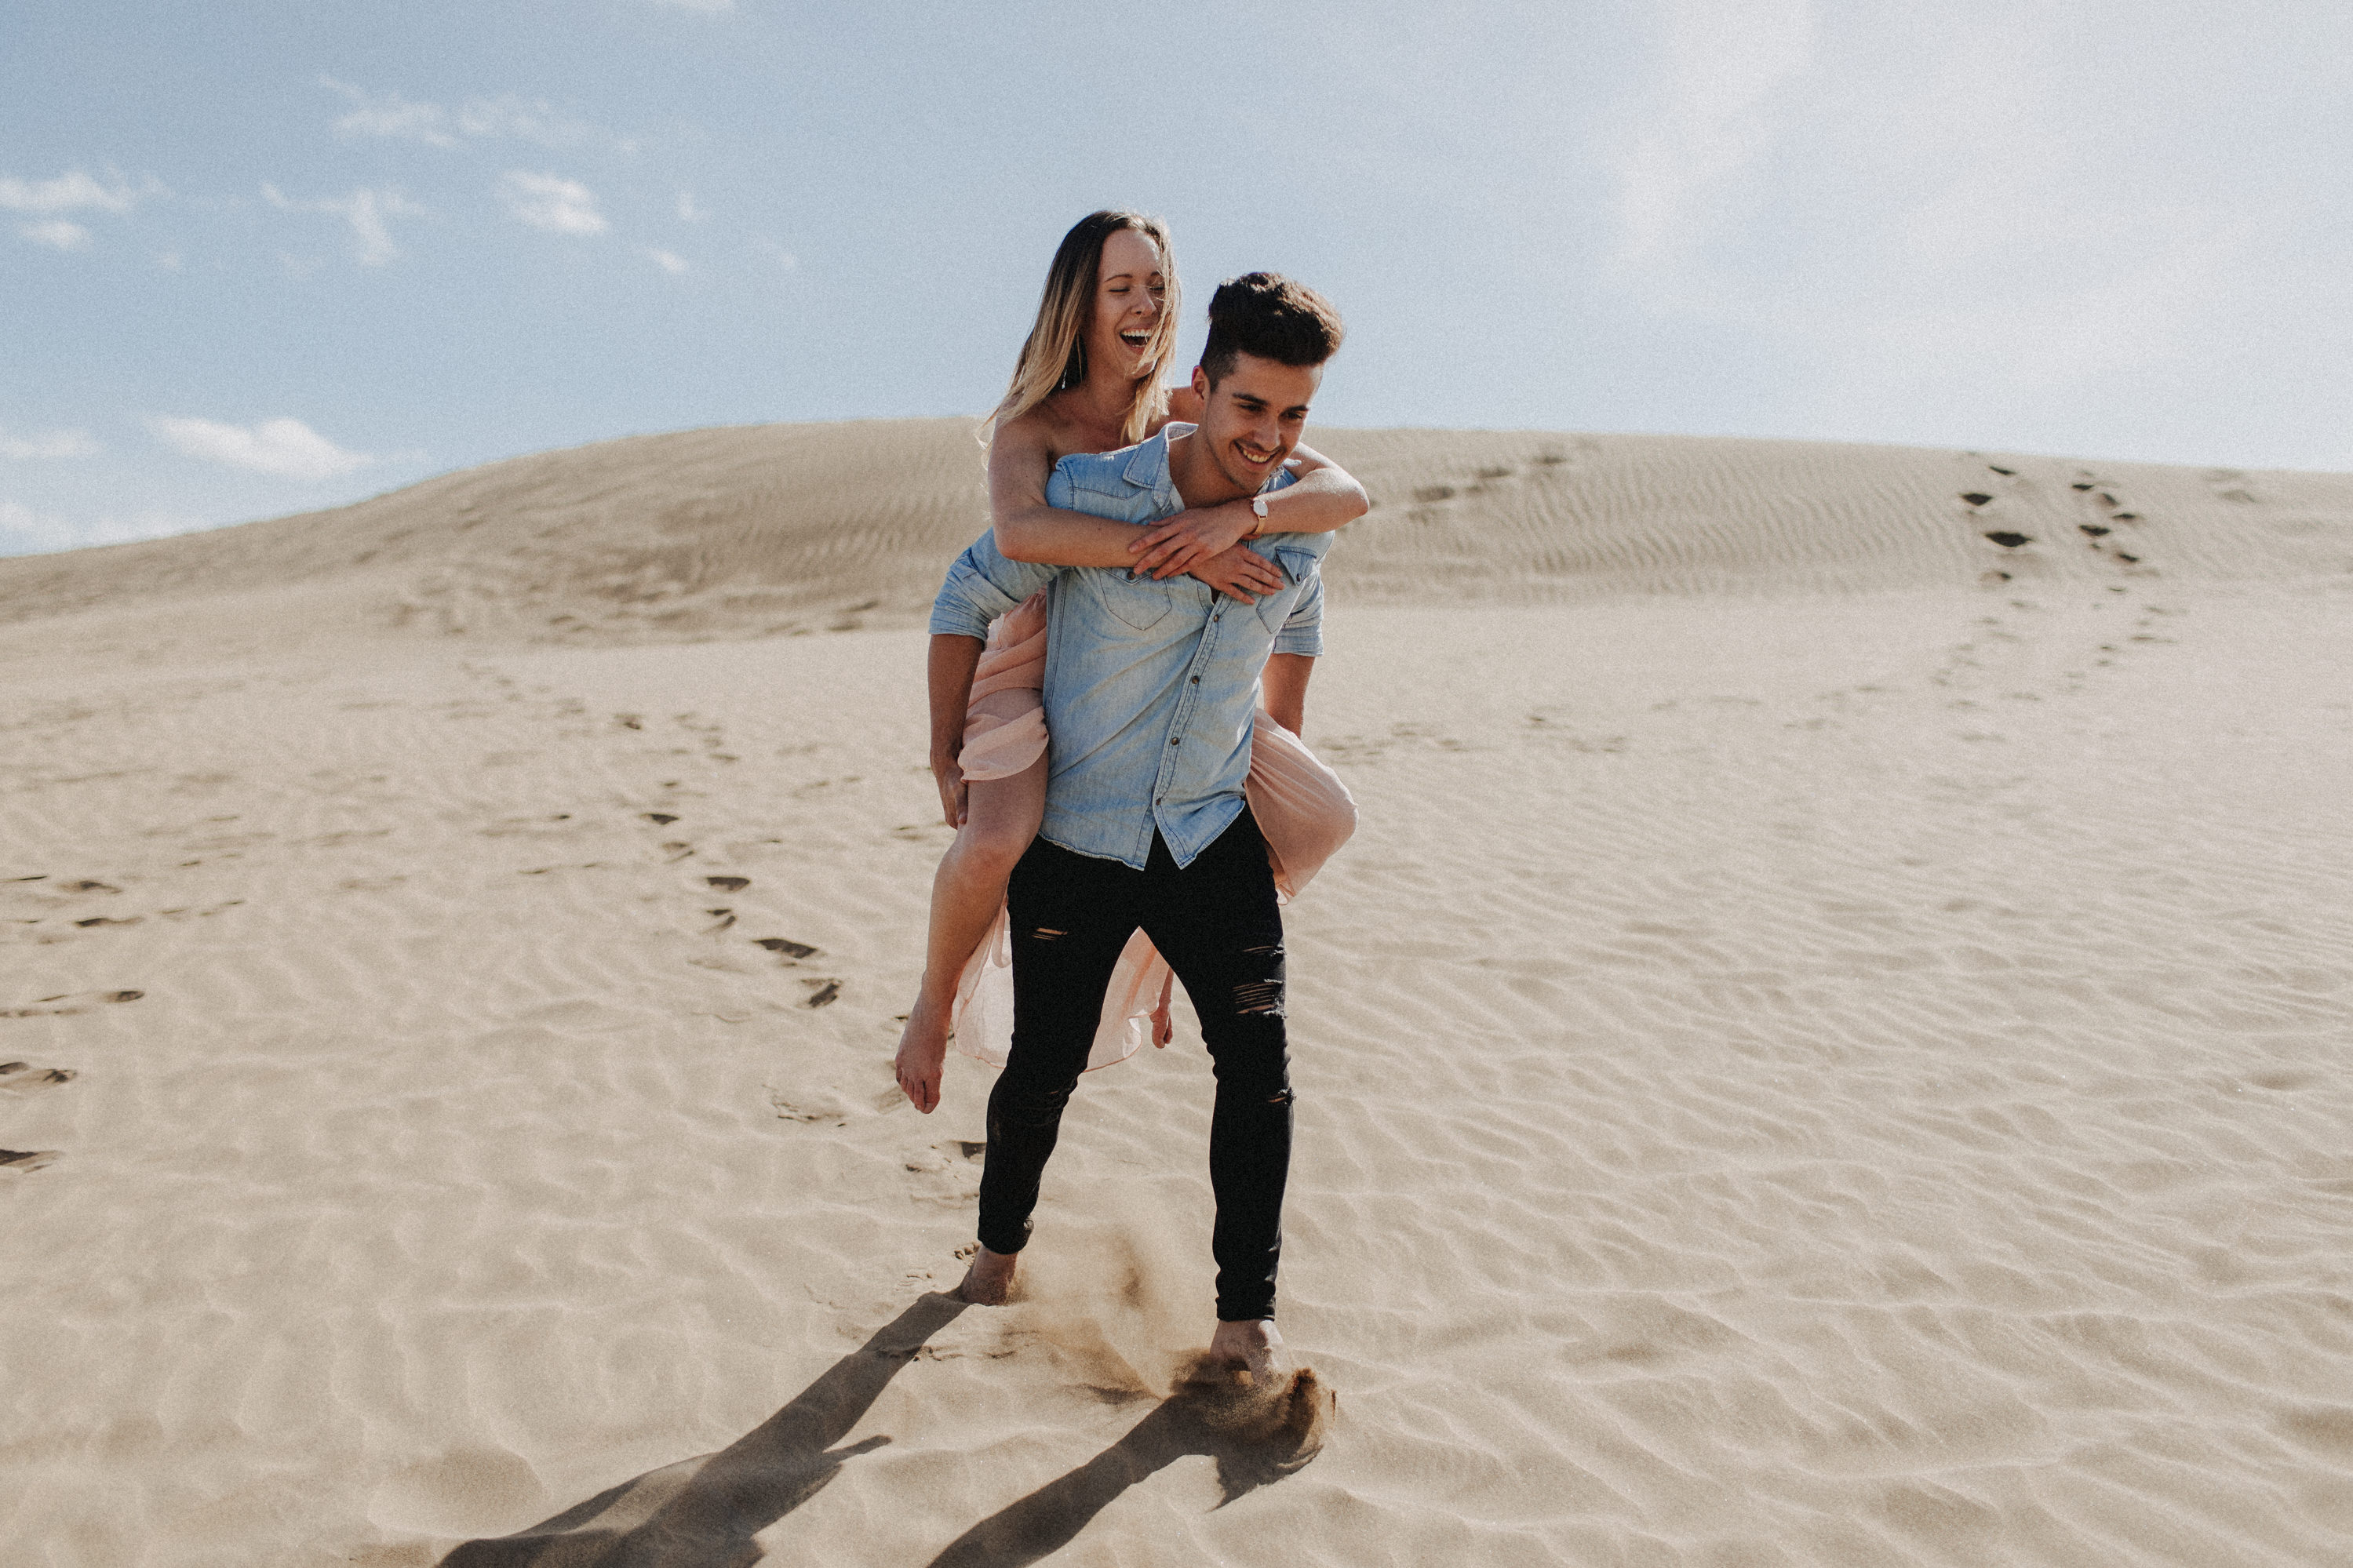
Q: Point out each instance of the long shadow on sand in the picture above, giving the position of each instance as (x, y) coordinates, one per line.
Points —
(1255, 1438)
(703, 1512)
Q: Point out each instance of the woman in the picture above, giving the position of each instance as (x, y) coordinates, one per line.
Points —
(1089, 381)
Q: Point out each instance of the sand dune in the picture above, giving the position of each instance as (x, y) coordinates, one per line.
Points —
(769, 530)
(1818, 1053)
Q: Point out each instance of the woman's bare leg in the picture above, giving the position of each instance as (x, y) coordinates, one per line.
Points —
(1001, 816)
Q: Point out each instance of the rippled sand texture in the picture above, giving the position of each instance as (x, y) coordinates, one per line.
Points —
(769, 530)
(1802, 1064)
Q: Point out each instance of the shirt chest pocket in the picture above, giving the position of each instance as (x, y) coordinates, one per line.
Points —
(1140, 605)
(1298, 565)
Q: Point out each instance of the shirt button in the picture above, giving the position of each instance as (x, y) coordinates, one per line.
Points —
(1196, 680)
(1175, 741)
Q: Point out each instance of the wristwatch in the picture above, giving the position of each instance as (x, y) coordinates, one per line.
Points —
(1258, 506)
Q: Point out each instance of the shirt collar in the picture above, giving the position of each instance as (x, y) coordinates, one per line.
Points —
(1148, 468)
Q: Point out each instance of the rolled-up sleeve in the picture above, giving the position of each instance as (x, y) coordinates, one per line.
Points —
(1303, 629)
(982, 585)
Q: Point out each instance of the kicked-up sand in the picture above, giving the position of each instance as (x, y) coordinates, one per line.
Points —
(1830, 1046)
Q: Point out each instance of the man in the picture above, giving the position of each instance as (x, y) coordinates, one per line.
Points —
(1150, 687)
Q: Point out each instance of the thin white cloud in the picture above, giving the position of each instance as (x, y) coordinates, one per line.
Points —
(784, 259)
(1715, 112)
(527, 120)
(669, 261)
(365, 211)
(60, 234)
(689, 209)
(71, 191)
(1931, 233)
(286, 448)
(49, 444)
(390, 117)
(551, 202)
(25, 531)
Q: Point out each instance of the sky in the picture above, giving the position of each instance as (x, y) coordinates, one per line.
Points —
(264, 258)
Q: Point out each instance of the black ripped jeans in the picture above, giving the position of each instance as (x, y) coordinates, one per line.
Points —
(1216, 924)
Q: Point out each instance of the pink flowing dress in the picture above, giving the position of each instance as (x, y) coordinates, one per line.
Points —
(1303, 809)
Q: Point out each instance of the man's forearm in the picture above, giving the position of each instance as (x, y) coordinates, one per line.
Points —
(1318, 501)
(949, 675)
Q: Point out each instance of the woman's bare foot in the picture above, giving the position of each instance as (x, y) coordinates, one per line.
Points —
(923, 1053)
(1251, 1347)
(989, 1282)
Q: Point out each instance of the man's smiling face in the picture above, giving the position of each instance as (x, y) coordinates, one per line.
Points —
(1253, 418)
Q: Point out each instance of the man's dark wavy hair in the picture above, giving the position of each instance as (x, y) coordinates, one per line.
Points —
(1266, 314)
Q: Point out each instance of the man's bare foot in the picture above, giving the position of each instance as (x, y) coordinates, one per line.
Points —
(1251, 1347)
(989, 1281)
(923, 1053)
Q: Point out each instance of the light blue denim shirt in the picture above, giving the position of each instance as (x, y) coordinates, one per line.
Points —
(1150, 685)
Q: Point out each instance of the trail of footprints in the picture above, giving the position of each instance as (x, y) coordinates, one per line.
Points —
(1430, 503)
(673, 844)
(2101, 514)
(2107, 524)
(19, 1079)
(822, 989)
(63, 899)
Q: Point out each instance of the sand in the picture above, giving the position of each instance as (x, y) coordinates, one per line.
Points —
(1821, 1052)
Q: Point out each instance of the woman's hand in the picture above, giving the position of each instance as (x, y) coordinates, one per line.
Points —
(948, 774)
(1240, 572)
(1191, 537)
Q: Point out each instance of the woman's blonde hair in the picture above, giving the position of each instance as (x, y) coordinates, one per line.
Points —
(1055, 356)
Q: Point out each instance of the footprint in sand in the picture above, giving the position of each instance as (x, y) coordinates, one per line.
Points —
(70, 1004)
(25, 1159)
(21, 1078)
(2230, 485)
(729, 884)
(822, 993)
(789, 949)
(812, 1107)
